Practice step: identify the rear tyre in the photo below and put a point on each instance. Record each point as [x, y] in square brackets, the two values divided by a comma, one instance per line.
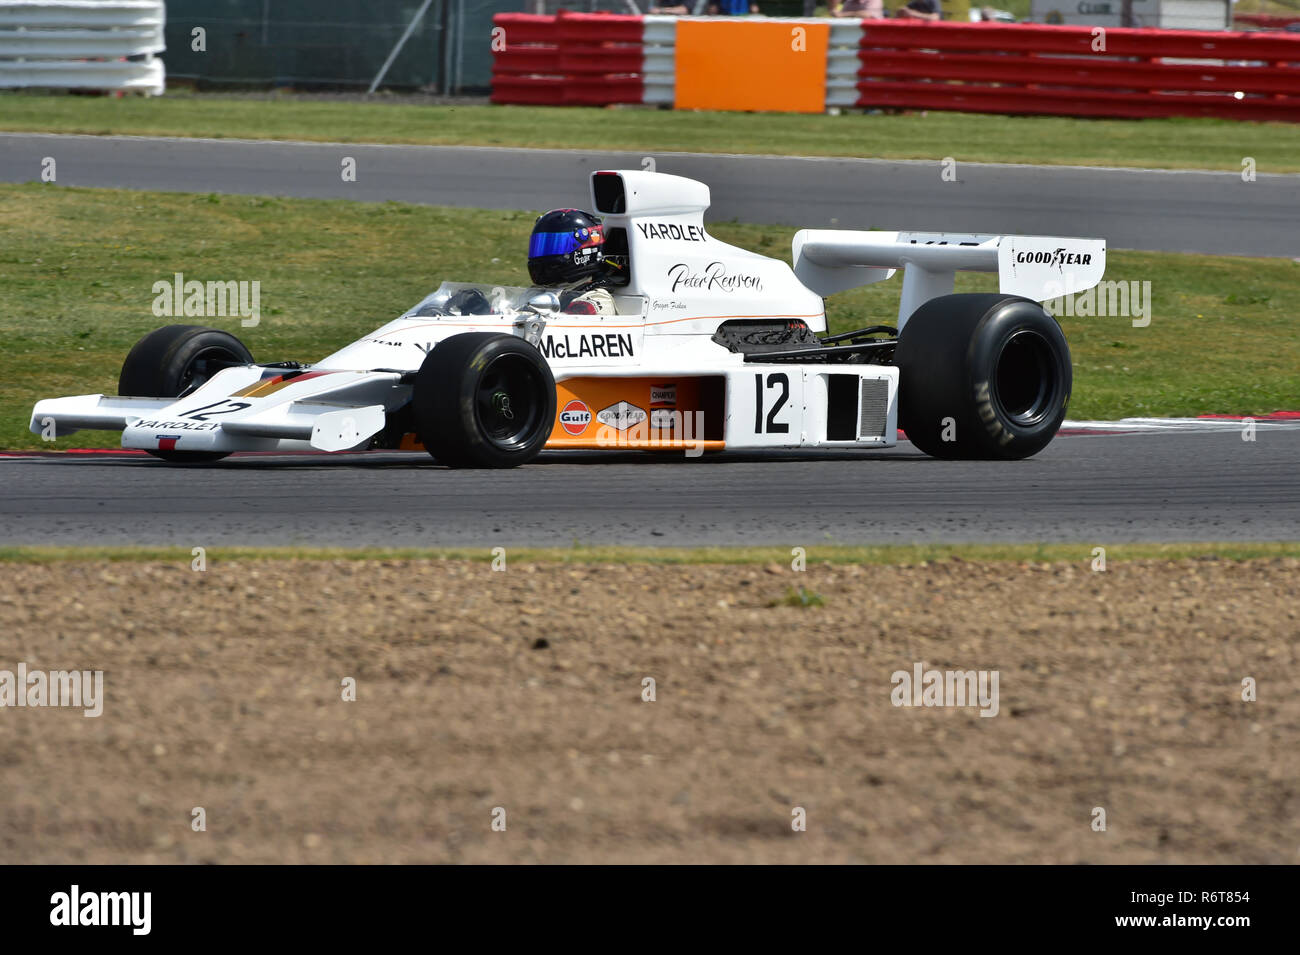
[982, 376]
[173, 361]
[484, 400]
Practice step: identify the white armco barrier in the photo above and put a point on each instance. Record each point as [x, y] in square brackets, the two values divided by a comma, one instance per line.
[82, 44]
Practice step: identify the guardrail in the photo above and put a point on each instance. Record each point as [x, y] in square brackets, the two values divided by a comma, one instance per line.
[1079, 71]
[82, 44]
[568, 59]
[809, 65]
[1267, 21]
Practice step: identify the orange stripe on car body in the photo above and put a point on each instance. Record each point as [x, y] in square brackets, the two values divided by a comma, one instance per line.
[270, 386]
[564, 326]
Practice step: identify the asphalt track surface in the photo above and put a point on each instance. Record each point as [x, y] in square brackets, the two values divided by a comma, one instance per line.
[1093, 489]
[1169, 211]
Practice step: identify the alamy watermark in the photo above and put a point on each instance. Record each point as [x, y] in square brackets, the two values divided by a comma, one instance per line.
[1105, 299]
[922, 687]
[194, 299]
[81, 688]
[75, 907]
[664, 428]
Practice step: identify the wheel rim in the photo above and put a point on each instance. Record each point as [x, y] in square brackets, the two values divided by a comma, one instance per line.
[204, 365]
[507, 402]
[1026, 378]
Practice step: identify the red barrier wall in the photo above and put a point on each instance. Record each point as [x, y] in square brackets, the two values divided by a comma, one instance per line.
[597, 59]
[569, 59]
[1267, 21]
[1059, 70]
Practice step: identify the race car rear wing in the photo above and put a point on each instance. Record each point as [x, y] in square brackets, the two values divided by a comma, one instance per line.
[1037, 267]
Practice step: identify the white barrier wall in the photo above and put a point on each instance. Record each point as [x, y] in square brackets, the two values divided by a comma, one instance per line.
[660, 65]
[842, 62]
[82, 44]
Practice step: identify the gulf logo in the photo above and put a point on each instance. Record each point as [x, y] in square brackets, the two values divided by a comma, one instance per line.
[575, 416]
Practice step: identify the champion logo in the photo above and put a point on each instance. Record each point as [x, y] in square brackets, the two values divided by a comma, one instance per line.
[663, 396]
[575, 416]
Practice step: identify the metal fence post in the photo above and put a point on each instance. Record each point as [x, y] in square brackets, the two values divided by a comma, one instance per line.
[397, 48]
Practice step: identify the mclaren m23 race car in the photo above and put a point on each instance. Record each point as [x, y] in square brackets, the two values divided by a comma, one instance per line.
[705, 346]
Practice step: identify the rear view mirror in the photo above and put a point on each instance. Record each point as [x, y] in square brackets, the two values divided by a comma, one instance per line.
[544, 302]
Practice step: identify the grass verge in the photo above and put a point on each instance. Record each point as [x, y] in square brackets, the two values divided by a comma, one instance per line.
[894, 554]
[74, 299]
[1049, 140]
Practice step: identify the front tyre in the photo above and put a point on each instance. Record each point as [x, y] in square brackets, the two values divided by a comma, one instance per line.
[173, 361]
[982, 376]
[484, 400]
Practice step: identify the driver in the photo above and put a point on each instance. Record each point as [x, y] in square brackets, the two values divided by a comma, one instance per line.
[565, 250]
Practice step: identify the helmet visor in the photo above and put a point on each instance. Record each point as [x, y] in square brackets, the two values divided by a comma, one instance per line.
[562, 243]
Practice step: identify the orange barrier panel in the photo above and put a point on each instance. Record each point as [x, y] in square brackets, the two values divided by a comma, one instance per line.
[751, 65]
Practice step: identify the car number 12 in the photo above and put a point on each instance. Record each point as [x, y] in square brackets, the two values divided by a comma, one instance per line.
[777, 379]
[215, 409]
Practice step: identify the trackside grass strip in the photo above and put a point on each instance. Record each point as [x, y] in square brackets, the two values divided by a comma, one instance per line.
[77, 269]
[909, 554]
[1044, 140]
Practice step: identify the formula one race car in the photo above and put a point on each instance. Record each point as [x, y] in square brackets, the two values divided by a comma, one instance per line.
[703, 346]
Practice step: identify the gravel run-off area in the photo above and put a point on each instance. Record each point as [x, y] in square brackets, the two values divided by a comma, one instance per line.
[519, 697]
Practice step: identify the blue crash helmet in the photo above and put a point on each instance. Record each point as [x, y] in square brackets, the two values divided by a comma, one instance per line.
[565, 247]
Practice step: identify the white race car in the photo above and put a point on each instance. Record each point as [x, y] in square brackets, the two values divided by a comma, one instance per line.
[706, 346]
